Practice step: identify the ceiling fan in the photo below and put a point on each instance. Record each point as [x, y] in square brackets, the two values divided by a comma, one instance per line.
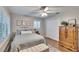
[44, 11]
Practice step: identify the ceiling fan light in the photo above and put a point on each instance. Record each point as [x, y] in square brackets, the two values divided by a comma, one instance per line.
[44, 14]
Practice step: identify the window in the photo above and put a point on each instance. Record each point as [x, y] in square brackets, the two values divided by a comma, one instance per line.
[4, 25]
[36, 24]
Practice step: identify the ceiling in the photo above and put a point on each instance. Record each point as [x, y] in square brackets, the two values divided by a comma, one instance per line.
[28, 10]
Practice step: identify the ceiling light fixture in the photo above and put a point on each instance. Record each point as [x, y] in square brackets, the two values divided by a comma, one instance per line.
[44, 9]
[44, 14]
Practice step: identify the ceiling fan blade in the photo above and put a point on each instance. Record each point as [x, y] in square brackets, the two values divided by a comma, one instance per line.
[39, 11]
[52, 11]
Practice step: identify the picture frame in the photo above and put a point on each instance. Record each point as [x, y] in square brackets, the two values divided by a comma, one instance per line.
[19, 22]
[72, 22]
[24, 23]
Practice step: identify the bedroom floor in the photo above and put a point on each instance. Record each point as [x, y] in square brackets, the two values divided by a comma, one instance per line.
[54, 47]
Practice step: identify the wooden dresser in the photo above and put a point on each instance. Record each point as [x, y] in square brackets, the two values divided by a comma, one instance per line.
[68, 37]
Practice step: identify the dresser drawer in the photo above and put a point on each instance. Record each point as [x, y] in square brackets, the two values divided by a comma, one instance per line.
[70, 40]
[67, 45]
[68, 37]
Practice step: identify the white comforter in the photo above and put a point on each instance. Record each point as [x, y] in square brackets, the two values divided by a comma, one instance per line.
[27, 40]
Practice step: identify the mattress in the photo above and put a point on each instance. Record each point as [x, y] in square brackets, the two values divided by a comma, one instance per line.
[26, 41]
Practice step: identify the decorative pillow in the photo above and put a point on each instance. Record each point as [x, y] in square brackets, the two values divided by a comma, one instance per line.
[26, 32]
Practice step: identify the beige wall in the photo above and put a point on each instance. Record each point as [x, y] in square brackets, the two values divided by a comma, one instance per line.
[18, 17]
[14, 19]
[42, 27]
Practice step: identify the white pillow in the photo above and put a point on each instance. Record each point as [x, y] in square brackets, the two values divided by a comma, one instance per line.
[26, 32]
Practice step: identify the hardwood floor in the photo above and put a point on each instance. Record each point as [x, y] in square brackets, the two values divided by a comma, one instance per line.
[55, 44]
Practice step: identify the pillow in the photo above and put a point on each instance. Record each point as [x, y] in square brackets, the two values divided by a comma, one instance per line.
[26, 32]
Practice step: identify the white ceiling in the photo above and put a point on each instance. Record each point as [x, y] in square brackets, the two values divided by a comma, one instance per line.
[22, 10]
[28, 10]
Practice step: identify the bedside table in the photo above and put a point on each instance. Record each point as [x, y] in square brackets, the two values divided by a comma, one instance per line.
[37, 32]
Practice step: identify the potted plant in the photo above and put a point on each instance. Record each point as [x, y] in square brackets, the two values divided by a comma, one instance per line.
[64, 23]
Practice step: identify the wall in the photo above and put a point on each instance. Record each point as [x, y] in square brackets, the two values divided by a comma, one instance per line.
[19, 17]
[53, 23]
[42, 26]
[52, 29]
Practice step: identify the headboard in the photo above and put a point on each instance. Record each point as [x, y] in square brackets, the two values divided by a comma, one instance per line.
[24, 25]
[24, 29]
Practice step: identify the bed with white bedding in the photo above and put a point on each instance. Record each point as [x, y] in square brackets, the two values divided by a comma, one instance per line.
[26, 41]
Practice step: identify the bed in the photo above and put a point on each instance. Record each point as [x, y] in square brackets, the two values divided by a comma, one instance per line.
[26, 41]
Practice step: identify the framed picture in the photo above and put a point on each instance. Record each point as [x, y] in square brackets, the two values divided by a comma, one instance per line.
[72, 21]
[24, 23]
[19, 22]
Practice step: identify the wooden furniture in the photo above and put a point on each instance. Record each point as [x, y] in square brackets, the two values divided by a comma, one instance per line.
[68, 37]
[38, 48]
